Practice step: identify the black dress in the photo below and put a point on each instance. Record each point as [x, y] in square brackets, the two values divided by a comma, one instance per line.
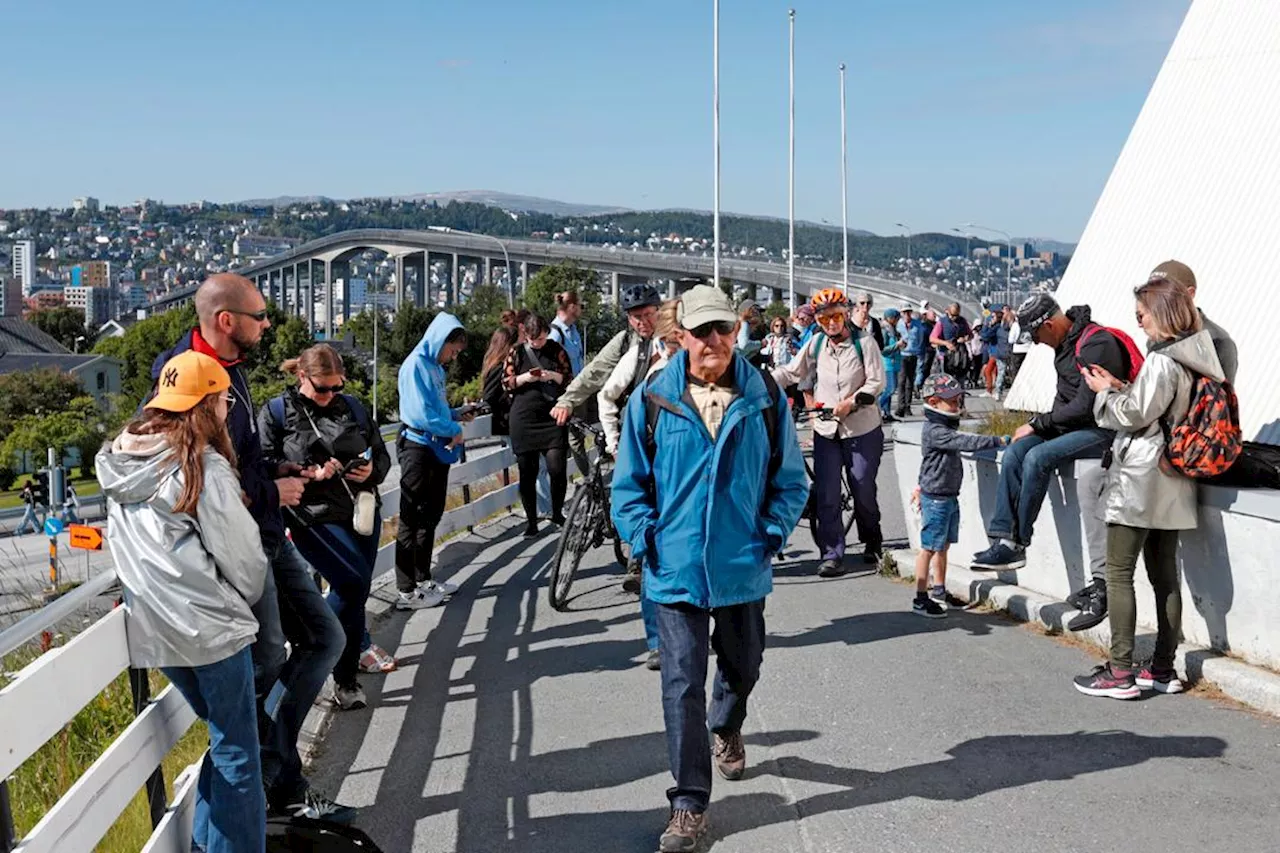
[530, 421]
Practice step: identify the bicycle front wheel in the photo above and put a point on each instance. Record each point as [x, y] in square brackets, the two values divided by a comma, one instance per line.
[575, 540]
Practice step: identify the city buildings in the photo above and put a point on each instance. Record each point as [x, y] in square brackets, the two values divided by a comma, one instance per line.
[89, 204]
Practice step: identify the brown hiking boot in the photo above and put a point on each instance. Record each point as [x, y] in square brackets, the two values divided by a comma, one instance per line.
[731, 755]
[684, 831]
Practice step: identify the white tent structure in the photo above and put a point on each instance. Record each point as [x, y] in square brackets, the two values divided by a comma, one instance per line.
[1198, 180]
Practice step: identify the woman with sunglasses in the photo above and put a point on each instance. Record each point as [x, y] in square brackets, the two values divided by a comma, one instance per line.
[779, 344]
[850, 375]
[337, 524]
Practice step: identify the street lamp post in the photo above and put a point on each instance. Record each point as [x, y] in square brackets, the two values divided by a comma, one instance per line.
[1008, 267]
[715, 135]
[967, 256]
[791, 170]
[506, 259]
[906, 229]
[844, 181]
[377, 321]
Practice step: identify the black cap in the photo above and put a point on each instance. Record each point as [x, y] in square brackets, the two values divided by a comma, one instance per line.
[1035, 311]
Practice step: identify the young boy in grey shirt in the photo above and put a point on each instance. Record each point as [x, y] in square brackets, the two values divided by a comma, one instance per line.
[941, 473]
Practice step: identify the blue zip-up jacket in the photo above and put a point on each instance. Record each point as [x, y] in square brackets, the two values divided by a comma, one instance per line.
[705, 517]
[891, 355]
[424, 408]
[1003, 346]
[915, 335]
[987, 334]
[255, 480]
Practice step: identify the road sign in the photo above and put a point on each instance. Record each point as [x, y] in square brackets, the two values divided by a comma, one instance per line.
[52, 526]
[86, 536]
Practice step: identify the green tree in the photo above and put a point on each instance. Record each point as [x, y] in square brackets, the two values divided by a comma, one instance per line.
[540, 292]
[141, 345]
[34, 392]
[62, 323]
[774, 309]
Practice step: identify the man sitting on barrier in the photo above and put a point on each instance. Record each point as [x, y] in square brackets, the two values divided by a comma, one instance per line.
[1066, 433]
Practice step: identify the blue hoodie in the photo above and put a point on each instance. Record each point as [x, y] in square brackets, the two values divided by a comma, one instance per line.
[424, 408]
[703, 517]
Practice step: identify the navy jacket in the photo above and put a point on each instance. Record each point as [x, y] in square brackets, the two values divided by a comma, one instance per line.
[255, 480]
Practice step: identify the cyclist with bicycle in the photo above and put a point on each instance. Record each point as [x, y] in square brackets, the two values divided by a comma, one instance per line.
[849, 376]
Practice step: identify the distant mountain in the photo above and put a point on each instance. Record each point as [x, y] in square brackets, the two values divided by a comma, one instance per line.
[1048, 245]
[520, 203]
[283, 201]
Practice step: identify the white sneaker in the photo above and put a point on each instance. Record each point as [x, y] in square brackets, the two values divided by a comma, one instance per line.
[444, 587]
[420, 599]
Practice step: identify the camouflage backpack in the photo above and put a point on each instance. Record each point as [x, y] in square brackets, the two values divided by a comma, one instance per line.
[1208, 439]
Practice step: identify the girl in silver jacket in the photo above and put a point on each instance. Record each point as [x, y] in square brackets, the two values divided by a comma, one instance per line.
[190, 559]
[1147, 503]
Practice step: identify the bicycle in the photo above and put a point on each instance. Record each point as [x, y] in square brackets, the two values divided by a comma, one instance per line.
[846, 496]
[587, 525]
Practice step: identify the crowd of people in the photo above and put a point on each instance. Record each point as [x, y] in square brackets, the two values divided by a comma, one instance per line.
[224, 515]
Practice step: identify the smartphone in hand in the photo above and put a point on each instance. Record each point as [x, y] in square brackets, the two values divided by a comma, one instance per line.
[536, 372]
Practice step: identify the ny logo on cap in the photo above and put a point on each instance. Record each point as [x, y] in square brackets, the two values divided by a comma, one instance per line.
[170, 377]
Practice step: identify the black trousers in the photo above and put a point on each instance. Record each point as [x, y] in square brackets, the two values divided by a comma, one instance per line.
[424, 484]
[907, 383]
[556, 472]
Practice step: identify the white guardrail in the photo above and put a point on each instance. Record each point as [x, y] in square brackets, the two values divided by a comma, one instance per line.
[47, 694]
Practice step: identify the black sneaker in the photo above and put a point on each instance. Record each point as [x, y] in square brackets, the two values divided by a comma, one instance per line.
[316, 806]
[1108, 682]
[831, 568]
[653, 661]
[999, 558]
[1092, 612]
[531, 530]
[631, 582]
[1078, 598]
[925, 606]
[872, 556]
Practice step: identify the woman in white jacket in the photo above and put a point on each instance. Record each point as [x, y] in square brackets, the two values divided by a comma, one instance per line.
[190, 560]
[1146, 502]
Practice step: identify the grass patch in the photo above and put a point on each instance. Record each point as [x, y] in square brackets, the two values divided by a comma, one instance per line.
[85, 487]
[47, 775]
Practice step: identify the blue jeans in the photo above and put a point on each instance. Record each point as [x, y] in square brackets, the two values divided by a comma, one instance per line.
[939, 522]
[344, 559]
[1025, 471]
[649, 616]
[738, 639]
[231, 807]
[316, 638]
[890, 384]
[29, 519]
[859, 460]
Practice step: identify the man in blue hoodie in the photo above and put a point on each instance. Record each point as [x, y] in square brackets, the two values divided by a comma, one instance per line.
[233, 317]
[708, 485]
[430, 433]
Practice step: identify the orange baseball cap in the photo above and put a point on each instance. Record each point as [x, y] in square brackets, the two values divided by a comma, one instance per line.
[186, 379]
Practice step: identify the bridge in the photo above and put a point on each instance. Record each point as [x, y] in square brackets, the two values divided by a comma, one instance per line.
[293, 279]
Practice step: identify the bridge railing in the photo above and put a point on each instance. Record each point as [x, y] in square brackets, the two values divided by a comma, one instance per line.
[47, 694]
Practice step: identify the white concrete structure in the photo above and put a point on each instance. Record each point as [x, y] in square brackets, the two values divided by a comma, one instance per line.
[1198, 180]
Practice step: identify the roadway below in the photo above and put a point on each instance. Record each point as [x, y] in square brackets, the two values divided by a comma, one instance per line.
[511, 727]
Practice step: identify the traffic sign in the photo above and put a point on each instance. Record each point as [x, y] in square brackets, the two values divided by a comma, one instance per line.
[86, 536]
[52, 526]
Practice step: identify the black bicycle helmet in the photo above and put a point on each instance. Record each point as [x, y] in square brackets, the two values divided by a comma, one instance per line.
[640, 295]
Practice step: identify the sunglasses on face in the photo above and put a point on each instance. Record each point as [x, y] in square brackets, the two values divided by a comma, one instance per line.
[328, 389]
[722, 328]
[832, 317]
[260, 316]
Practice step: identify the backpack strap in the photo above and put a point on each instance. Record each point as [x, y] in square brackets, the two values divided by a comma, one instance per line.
[358, 411]
[1087, 332]
[275, 408]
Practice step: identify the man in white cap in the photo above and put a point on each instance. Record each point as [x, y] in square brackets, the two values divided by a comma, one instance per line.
[707, 446]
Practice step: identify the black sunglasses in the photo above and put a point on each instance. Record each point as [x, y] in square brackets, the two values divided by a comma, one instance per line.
[260, 316]
[328, 389]
[723, 328]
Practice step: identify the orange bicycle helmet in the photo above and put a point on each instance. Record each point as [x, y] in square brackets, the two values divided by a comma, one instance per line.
[829, 297]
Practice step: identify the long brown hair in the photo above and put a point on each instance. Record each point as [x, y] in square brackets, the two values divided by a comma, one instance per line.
[189, 433]
[500, 344]
[1170, 306]
[319, 360]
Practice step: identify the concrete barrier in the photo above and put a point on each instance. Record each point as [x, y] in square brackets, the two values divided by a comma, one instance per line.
[1228, 564]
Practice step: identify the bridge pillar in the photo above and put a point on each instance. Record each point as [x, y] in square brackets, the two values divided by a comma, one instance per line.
[488, 271]
[615, 289]
[399, 297]
[309, 304]
[524, 278]
[297, 292]
[776, 294]
[422, 289]
[455, 292]
[328, 300]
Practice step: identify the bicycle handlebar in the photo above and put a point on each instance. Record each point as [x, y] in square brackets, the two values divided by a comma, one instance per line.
[579, 425]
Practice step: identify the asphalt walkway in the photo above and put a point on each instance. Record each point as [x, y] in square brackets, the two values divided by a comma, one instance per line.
[511, 727]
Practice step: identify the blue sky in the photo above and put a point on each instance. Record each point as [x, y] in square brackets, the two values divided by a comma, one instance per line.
[1008, 113]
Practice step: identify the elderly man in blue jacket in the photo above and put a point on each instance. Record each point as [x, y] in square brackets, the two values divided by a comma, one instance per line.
[709, 484]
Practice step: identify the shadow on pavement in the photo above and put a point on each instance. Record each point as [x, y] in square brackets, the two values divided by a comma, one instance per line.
[886, 625]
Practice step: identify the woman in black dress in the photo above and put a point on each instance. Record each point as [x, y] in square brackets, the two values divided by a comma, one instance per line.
[537, 372]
